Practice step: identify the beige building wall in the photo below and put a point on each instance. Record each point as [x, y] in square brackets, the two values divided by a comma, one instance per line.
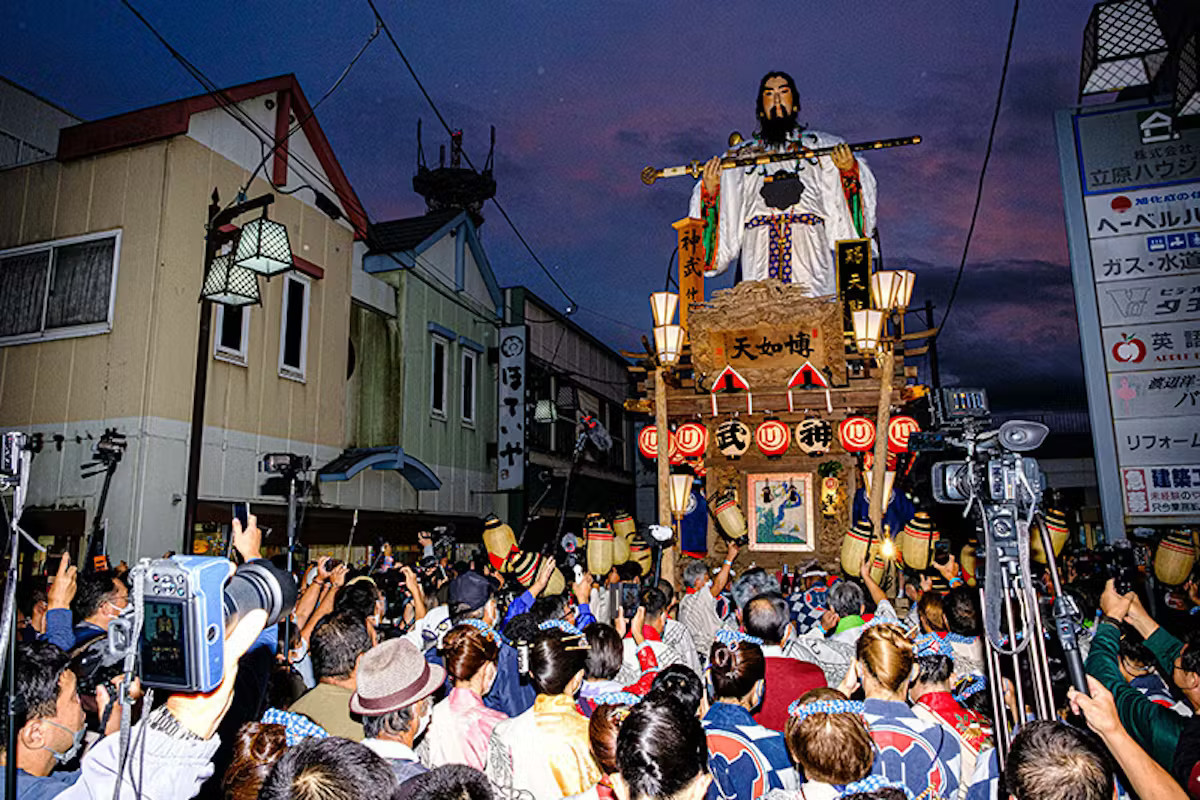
[139, 376]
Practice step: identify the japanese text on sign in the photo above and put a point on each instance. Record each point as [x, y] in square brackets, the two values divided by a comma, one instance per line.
[510, 427]
[1162, 489]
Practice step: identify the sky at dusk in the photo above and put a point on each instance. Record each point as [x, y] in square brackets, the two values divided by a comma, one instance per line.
[584, 95]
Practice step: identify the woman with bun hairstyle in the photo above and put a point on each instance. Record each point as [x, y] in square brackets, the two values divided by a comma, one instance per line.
[661, 754]
[462, 724]
[911, 750]
[830, 744]
[546, 751]
[746, 759]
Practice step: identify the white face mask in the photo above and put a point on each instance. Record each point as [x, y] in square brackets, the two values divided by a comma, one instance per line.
[76, 742]
[423, 723]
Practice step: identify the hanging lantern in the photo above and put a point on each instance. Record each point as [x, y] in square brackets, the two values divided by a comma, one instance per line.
[772, 438]
[1056, 525]
[499, 540]
[674, 457]
[813, 436]
[830, 489]
[263, 247]
[731, 522]
[648, 444]
[692, 439]
[889, 480]
[809, 377]
[1174, 558]
[857, 434]
[230, 285]
[916, 541]
[733, 438]
[728, 380]
[599, 544]
[855, 545]
[899, 429]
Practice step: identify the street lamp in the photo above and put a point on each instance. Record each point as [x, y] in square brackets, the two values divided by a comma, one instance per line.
[891, 290]
[230, 285]
[668, 344]
[662, 306]
[1123, 46]
[263, 247]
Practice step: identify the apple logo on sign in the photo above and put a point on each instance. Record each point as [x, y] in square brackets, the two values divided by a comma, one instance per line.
[1129, 350]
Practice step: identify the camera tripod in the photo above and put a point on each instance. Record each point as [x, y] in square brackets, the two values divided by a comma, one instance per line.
[1013, 629]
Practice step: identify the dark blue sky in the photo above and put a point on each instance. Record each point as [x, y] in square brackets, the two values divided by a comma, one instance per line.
[585, 95]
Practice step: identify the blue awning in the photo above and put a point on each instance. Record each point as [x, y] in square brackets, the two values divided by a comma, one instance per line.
[353, 461]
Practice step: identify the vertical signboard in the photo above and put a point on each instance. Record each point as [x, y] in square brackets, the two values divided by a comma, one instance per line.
[1131, 184]
[853, 278]
[510, 427]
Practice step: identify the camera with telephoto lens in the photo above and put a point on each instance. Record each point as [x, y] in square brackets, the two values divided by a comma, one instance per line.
[180, 609]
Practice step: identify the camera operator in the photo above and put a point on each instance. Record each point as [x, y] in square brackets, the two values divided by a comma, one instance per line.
[176, 742]
[100, 597]
[47, 608]
[1171, 739]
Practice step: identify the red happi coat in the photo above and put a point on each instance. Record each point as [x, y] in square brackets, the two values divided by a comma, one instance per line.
[974, 729]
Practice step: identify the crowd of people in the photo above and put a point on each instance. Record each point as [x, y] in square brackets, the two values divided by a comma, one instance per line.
[460, 682]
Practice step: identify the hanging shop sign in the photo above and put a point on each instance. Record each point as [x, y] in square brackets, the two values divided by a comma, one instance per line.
[510, 427]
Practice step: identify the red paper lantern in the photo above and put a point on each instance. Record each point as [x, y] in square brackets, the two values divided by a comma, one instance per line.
[673, 455]
[772, 438]
[692, 439]
[856, 434]
[899, 429]
[648, 442]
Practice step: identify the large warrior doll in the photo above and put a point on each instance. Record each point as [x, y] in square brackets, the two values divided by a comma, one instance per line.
[783, 218]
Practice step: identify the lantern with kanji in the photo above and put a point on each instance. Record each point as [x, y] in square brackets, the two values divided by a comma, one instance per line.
[772, 438]
[733, 438]
[857, 434]
[899, 429]
[623, 527]
[599, 544]
[691, 438]
[813, 436]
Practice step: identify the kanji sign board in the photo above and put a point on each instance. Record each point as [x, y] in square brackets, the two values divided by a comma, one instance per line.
[1131, 182]
[510, 428]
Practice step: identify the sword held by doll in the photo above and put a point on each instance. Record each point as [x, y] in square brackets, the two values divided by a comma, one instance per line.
[696, 168]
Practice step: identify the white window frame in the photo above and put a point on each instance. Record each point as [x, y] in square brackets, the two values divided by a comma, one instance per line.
[436, 339]
[469, 355]
[285, 370]
[73, 331]
[228, 354]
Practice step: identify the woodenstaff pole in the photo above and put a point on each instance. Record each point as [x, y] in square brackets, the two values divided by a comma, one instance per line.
[878, 504]
[664, 468]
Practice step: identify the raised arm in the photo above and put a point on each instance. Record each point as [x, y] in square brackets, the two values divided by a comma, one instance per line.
[719, 584]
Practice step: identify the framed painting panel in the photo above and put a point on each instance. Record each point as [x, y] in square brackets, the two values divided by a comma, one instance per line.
[779, 512]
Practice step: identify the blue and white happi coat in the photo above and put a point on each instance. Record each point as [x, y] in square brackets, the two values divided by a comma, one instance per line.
[922, 755]
[746, 759]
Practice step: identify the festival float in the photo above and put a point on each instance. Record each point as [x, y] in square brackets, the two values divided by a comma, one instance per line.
[783, 394]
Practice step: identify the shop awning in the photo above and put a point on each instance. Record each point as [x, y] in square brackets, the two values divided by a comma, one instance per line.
[353, 461]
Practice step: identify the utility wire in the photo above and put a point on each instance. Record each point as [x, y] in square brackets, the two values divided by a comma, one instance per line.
[571, 305]
[982, 172]
[312, 112]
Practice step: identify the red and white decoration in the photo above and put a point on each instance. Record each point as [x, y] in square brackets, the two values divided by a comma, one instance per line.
[809, 377]
[772, 438]
[899, 430]
[856, 434]
[648, 445]
[729, 380]
[692, 439]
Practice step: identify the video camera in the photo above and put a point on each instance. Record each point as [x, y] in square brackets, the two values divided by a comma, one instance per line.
[180, 608]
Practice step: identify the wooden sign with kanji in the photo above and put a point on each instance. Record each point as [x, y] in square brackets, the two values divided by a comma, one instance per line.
[691, 265]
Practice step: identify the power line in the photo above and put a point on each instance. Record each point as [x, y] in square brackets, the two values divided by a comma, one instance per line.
[983, 170]
[571, 305]
[312, 112]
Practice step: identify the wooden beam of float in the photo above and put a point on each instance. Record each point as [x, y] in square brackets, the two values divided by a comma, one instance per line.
[691, 265]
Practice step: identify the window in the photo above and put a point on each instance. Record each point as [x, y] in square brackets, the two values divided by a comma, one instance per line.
[233, 333]
[58, 289]
[293, 327]
[439, 347]
[469, 361]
